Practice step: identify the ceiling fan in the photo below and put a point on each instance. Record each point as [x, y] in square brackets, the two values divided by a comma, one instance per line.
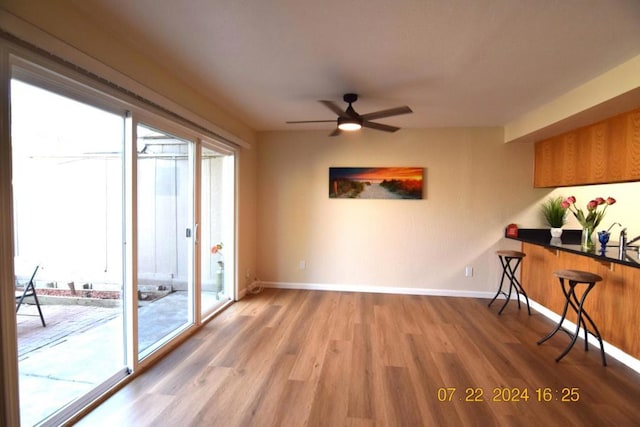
[349, 120]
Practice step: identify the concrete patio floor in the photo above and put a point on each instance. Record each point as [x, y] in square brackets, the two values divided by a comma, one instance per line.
[66, 359]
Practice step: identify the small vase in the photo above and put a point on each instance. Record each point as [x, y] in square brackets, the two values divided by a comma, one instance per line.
[556, 232]
[587, 239]
[603, 237]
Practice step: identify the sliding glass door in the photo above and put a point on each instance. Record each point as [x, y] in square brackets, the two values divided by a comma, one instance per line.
[217, 228]
[67, 165]
[123, 223]
[165, 236]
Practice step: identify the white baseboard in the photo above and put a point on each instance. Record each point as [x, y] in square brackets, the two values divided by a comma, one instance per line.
[377, 289]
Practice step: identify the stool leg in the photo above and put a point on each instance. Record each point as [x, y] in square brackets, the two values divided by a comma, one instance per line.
[581, 312]
[574, 337]
[504, 272]
[595, 332]
[562, 317]
[506, 301]
[518, 286]
[515, 288]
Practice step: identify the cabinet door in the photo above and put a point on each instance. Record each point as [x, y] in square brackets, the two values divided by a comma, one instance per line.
[549, 162]
[543, 164]
[617, 150]
[632, 167]
[599, 138]
[569, 167]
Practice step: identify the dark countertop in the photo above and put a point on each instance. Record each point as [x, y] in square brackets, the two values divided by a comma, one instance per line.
[570, 242]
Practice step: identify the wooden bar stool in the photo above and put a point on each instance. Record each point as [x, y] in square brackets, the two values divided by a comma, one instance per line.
[574, 278]
[509, 271]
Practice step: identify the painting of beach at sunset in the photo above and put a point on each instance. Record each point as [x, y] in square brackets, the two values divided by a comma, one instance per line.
[376, 183]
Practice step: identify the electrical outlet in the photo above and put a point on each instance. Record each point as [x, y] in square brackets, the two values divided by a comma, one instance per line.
[468, 271]
[302, 264]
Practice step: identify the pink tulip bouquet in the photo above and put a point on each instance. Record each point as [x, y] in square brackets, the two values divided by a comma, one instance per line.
[594, 214]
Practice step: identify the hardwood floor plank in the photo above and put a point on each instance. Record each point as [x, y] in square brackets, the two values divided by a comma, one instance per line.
[427, 381]
[438, 338]
[366, 304]
[350, 309]
[295, 358]
[401, 401]
[331, 397]
[139, 412]
[265, 403]
[388, 340]
[207, 382]
[303, 322]
[294, 404]
[243, 345]
[310, 357]
[361, 372]
[461, 389]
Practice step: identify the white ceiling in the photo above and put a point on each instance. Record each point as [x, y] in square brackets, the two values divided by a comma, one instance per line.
[454, 62]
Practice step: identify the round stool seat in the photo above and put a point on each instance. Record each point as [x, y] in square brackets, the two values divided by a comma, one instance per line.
[577, 276]
[511, 254]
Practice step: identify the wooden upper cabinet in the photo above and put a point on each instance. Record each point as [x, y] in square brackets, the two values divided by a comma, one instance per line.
[632, 139]
[605, 152]
[543, 175]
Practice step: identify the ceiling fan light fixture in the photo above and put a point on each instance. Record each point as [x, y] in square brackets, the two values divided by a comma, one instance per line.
[349, 124]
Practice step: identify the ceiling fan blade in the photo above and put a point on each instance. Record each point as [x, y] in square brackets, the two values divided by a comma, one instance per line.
[387, 113]
[379, 126]
[336, 132]
[333, 107]
[312, 121]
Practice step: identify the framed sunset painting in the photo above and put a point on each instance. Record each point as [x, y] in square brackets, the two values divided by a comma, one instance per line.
[376, 183]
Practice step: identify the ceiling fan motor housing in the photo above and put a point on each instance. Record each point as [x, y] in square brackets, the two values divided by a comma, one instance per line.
[350, 97]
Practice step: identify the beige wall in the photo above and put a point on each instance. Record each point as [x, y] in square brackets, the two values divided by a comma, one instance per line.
[475, 186]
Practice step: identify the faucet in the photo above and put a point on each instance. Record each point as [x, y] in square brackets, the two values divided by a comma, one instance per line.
[635, 239]
[612, 225]
[622, 241]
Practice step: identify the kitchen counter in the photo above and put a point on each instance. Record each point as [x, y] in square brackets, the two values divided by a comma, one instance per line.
[570, 242]
[613, 302]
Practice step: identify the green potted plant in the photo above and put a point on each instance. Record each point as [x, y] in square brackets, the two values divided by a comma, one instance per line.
[554, 215]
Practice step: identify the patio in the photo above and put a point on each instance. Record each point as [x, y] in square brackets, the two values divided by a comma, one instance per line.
[74, 336]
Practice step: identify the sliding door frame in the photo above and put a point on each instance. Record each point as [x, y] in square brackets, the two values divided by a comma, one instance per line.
[138, 110]
[9, 379]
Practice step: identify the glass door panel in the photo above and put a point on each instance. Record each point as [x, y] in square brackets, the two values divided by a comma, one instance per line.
[164, 231]
[67, 159]
[216, 228]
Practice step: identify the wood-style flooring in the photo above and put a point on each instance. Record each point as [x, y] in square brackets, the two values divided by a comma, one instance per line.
[296, 358]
